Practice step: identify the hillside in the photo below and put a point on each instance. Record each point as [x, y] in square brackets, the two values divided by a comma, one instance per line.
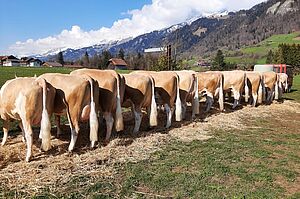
[257, 53]
[205, 35]
[250, 27]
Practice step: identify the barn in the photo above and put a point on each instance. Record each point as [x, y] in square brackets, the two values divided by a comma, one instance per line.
[117, 64]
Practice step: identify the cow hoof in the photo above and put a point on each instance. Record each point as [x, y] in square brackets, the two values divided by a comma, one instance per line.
[70, 149]
[93, 143]
[106, 142]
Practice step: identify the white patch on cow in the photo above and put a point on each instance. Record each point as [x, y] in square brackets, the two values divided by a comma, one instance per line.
[169, 116]
[45, 131]
[119, 118]
[246, 91]
[5, 132]
[260, 92]
[195, 104]
[178, 112]
[20, 106]
[94, 124]
[276, 91]
[221, 94]
[255, 96]
[153, 109]
[236, 96]
[28, 136]
[74, 136]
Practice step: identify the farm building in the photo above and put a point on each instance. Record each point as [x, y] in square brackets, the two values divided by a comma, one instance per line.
[116, 63]
[9, 61]
[30, 62]
[51, 64]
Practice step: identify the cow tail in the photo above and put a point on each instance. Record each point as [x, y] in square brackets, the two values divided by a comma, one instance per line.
[119, 125]
[178, 111]
[196, 96]
[94, 125]
[277, 88]
[286, 84]
[263, 88]
[260, 91]
[221, 93]
[153, 109]
[45, 131]
[246, 89]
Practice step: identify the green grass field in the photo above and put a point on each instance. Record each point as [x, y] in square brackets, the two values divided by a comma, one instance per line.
[295, 91]
[261, 50]
[7, 73]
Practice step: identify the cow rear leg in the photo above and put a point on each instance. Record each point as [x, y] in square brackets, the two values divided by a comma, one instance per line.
[184, 107]
[28, 136]
[270, 96]
[236, 95]
[169, 115]
[255, 97]
[74, 136]
[137, 118]
[209, 101]
[109, 125]
[5, 132]
[57, 123]
[23, 132]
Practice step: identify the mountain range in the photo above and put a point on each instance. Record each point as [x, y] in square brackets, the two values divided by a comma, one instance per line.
[204, 35]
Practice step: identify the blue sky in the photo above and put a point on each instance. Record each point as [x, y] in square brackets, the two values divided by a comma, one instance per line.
[24, 19]
[36, 26]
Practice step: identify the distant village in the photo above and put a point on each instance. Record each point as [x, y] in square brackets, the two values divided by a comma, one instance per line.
[114, 63]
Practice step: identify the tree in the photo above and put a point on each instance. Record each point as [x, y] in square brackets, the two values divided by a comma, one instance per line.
[162, 63]
[218, 62]
[60, 58]
[121, 54]
[86, 59]
[270, 57]
[104, 58]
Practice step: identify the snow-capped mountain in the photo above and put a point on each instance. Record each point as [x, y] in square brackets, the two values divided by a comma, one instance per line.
[206, 34]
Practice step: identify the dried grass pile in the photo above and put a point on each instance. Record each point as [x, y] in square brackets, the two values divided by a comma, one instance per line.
[57, 167]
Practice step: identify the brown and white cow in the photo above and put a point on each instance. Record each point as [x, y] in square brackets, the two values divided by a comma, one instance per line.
[111, 92]
[29, 100]
[167, 89]
[211, 85]
[253, 85]
[282, 79]
[188, 89]
[139, 93]
[270, 86]
[75, 97]
[234, 81]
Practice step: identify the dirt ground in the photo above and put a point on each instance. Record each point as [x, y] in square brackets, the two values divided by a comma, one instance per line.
[57, 166]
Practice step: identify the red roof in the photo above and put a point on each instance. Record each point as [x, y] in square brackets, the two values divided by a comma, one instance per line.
[117, 62]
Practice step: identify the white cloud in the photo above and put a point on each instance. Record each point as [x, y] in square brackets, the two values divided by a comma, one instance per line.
[158, 15]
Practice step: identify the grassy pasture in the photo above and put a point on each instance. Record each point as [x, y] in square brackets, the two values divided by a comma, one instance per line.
[262, 49]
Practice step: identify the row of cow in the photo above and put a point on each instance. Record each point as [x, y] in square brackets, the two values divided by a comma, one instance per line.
[90, 94]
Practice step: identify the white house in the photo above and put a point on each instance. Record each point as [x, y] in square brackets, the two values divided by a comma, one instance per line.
[10, 61]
